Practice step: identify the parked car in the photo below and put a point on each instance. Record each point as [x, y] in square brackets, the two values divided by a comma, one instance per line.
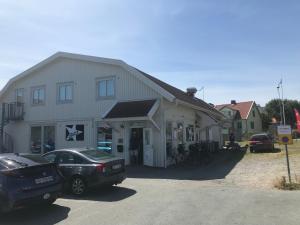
[27, 180]
[84, 168]
[260, 142]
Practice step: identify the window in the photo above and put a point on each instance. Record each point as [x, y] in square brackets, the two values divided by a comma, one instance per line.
[50, 157]
[252, 125]
[169, 131]
[104, 139]
[147, 137]
[239, 125]
[229, 113]
[179, 133]
[190, 133]
[253, 113]
[65, 92]
[42, 139]
[106, 88]
[36, 140]
[38, 95]
[66, 158]
[19, 95]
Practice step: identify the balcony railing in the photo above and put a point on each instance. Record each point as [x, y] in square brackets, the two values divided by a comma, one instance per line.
[13, 111]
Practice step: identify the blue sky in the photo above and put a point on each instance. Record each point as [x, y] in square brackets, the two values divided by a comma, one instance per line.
[236, 49]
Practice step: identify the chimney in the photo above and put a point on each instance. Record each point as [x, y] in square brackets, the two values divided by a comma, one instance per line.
[233, 102]
[191, 91]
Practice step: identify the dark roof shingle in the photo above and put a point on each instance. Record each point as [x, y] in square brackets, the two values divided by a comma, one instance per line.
[131, 109]
[181, 95]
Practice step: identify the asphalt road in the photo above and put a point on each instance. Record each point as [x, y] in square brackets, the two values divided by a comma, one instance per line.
[144, 201]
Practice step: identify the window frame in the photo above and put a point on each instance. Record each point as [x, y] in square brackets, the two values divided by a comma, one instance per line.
[106, 79]
[33, 89]
[23, 94]
[239, 125]
[64, 84]
[55, 157]
[252, 125]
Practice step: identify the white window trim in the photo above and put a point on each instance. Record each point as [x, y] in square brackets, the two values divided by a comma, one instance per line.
[58, 85]
[98, 80]
[23, 92]
[31, 95]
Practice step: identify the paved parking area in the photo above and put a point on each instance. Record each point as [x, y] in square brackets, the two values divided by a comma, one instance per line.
[181, 195]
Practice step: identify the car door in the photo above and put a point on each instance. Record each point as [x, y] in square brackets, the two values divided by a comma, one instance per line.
[66, 163]
[71, 164]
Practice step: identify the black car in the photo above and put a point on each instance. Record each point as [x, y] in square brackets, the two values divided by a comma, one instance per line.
[27, 180]
[261, 142]
[83, 168]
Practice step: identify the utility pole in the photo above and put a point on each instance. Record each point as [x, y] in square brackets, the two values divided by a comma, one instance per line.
[284, 123]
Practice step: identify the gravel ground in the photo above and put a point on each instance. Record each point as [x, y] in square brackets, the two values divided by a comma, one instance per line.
[260, 170]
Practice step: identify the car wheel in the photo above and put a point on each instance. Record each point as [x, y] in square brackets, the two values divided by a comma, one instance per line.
[78, 186]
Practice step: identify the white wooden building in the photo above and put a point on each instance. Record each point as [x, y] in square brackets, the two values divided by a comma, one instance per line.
[71, 100]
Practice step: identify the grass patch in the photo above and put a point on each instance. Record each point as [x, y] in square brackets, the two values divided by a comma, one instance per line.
[282, 184]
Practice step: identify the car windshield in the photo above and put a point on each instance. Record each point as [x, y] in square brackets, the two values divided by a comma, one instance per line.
[36, 158]
[96, 154]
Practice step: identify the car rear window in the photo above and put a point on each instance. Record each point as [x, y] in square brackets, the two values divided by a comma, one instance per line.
[96, 154]
[259, 138]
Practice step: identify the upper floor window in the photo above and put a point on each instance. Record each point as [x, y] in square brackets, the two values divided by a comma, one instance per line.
[38, 95]
[253, 113]
[229, 113]
[106, 88]
[65, 92]
[19, 95]
[252, 125]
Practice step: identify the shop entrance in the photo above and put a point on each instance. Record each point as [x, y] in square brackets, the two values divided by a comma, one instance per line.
[136, 146]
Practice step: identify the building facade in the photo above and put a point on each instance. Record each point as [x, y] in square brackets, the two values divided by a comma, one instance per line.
[244, 117]
[71, 100]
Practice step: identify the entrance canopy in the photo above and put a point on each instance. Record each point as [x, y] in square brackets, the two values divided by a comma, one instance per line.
[133, 110]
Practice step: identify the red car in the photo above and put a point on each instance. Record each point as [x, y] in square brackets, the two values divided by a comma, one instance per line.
[261, 142]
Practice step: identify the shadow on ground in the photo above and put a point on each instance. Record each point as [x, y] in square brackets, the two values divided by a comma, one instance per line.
[223, 162]
[36, 216]
[105, 194]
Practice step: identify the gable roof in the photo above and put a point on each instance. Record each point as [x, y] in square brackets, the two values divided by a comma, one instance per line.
[243, 107]
[167, 91]
[179, 94]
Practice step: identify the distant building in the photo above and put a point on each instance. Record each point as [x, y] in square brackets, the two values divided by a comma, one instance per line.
[244, 119]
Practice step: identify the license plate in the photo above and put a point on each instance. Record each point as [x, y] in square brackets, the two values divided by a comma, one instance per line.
[43, 180]
[117, 166]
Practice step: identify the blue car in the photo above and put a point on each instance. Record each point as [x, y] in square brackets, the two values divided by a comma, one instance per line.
[26, 180]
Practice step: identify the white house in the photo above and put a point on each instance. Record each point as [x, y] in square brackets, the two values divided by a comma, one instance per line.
[71, 100]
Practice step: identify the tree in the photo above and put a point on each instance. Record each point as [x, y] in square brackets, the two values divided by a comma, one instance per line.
[273, 110]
